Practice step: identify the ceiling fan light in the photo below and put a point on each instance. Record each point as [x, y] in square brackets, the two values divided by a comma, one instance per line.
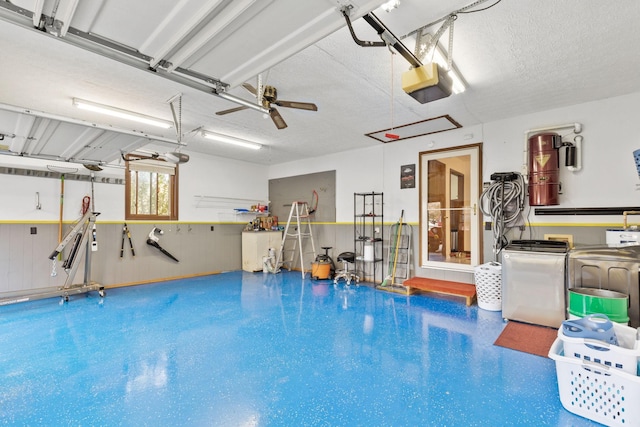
[123, 114]
[231, 140]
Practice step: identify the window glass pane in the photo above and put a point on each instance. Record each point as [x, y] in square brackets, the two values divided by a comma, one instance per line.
[449, 232]
[133, 193]
[164, 191]
[144, 197]
[153, 194]
[434, 235]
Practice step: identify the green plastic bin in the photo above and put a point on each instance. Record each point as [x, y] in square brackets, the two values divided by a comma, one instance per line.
[585, 301]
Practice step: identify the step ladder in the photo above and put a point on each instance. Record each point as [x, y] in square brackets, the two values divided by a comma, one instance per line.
[399, 236]
[299, 236]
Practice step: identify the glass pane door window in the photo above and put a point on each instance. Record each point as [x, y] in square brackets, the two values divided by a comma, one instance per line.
[449, 217]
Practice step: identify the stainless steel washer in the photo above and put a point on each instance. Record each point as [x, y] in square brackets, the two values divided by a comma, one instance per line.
[533, 282]
[614, 268]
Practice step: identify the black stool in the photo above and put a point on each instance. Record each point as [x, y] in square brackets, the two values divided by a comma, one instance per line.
[346, 258]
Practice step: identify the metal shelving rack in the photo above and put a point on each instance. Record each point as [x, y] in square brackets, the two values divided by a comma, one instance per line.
[368, 232]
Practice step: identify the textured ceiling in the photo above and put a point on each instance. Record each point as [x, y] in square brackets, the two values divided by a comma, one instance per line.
[518, 57]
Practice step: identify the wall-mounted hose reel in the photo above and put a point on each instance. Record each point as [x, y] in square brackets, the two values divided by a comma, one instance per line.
[503, 201]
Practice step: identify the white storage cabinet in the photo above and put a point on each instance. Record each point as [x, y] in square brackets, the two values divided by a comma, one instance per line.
[255, 246]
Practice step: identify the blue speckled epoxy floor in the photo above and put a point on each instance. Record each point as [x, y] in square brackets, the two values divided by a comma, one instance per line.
[254, 349]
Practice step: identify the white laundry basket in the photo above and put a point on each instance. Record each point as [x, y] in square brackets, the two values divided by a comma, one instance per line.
[623, 354]
[595, 391]
[488, 278]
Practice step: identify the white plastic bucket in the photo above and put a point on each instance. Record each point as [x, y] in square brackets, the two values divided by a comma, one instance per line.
[368, 252]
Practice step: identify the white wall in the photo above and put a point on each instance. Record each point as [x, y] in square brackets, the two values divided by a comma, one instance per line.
[608, 177]
[377, 168]
[201, 176]
[19, 192]
[357, 171]
[406, 152]
[225, 184]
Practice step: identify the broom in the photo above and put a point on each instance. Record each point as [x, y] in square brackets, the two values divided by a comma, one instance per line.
[395, 256]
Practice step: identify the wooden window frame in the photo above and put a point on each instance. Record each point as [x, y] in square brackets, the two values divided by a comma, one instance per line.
[173, 194]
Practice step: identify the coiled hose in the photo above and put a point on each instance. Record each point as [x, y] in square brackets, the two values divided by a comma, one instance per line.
[503, 201]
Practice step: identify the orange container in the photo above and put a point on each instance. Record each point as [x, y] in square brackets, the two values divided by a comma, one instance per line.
[320, 270]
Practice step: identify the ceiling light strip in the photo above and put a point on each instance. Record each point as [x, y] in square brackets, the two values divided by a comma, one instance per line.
[459, 84]
[123, 114]
[42, 114]
[231, 140]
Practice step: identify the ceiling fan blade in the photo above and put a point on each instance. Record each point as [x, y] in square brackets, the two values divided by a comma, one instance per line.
[299, 105]
[231, 110]
[277, 119]
[250, 88]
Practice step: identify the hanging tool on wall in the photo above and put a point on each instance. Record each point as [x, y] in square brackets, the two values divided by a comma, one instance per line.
[314, 202]
[94, 233]
[153, 239]
[86, 201]
[94, 239]
[126, 233]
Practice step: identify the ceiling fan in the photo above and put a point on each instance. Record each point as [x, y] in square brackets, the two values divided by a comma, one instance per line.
[268, 99]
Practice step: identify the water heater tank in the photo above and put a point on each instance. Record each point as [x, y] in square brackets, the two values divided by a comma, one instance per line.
[544, 169]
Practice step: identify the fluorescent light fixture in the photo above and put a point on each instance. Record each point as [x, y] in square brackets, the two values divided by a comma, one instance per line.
[123, 114]
[231, 140]
[440, 58]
